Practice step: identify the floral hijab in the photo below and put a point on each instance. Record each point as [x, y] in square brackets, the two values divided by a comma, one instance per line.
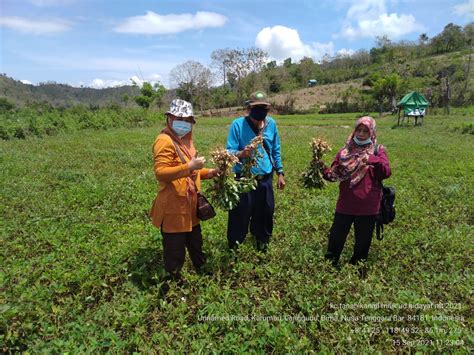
[353, 158]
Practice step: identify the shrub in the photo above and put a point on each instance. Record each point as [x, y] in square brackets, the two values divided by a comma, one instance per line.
[42, 119]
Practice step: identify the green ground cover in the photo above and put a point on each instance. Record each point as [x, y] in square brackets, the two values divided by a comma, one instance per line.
[80, 262]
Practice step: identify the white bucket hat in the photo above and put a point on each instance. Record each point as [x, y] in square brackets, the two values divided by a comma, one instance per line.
[181, 108]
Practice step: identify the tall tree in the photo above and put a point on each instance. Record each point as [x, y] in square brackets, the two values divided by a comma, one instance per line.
[220, 61]
[386, 89]
[451, 38]
[423, 38]
[236, 64]
[305, 70]
[150, 94]
[193, 81]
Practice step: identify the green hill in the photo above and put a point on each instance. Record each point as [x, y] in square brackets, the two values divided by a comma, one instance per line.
[62, 94]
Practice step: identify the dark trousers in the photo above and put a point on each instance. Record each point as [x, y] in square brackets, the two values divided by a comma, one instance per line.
[174, 249]
[363, 230]
[256, 209]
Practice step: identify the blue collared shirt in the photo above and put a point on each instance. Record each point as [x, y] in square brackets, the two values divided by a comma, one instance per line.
[240, 135]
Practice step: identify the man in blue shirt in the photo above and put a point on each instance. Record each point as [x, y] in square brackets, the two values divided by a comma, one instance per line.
[255, 208]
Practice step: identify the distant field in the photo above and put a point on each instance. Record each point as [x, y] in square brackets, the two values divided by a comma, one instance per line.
[80, 262]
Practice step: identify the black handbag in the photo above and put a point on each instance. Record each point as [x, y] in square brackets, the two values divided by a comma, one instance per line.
[387, 210]
[205, 210]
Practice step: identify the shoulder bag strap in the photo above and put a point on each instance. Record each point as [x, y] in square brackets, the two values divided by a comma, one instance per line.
[180, 154]
[178, 151]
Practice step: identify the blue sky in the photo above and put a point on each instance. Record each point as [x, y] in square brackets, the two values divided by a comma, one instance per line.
[105, 43]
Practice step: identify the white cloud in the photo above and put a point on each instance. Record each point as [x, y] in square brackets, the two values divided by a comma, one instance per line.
[34, 26]
[155, 78]
[107, 83]
[24, 81]
[152, 79]
[345, 52]
[465, 9]
[281, 42]
[101, 84]
[153, 23]
[369, 18]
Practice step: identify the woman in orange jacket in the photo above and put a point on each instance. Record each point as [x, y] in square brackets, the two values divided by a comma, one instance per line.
[179, 171]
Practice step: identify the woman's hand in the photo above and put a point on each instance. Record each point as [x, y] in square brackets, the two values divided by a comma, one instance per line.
[213, 173]
[196, 163]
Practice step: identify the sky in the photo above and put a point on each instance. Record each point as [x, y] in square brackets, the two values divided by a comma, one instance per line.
[105, 43]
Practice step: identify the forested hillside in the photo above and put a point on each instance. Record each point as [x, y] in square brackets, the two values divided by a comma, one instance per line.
[62, 94]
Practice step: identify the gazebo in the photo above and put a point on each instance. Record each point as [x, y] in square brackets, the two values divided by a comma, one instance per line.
[414, 105]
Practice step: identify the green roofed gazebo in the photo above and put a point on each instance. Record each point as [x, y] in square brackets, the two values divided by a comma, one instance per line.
[414, 105]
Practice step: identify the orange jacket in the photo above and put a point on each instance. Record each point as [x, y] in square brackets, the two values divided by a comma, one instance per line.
[173, 210]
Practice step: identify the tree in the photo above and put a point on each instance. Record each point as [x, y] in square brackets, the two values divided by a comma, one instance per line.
[234, 65]
[305, 70]
[392, 87]
[220, 61]
[150, 94]
[450, 39]
[423, 39]
[386, 88]
[125, 99]
[469, 35]
[193, 81]
[6, 105]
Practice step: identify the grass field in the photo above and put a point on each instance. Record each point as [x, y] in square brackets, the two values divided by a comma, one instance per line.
[80, 262]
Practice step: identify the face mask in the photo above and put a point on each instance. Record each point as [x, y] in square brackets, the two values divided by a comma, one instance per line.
[181, 128]
[258, 113]
[364, 142]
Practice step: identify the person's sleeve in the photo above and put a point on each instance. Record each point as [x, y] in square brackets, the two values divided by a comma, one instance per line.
[327, 171]
[204, 172]
[165, 166]
[381, 164]
[232, 144]
[276, 152]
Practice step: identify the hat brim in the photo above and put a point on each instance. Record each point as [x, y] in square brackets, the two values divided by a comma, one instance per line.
[259, 103]
[171, 113]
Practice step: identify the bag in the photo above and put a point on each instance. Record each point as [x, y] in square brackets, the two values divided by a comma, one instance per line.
[205, 210]
[387, 210]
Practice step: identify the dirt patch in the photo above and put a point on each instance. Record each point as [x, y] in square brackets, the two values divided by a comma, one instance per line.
[306, 99]
[315, 97]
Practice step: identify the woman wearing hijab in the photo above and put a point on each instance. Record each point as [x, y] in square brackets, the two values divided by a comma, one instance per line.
[179, 171]
[359, 166]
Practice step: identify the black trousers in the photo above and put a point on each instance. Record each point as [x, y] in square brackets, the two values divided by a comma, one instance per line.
[174, 249]
[256, 209]
[363, 230]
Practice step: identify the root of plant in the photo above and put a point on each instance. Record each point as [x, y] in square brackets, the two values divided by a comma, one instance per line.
[313, 176]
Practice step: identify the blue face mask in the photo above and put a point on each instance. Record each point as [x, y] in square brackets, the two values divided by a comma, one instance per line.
[181, 128]
[359, 142]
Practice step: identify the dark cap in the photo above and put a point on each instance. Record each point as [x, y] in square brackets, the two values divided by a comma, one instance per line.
[258, 98]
